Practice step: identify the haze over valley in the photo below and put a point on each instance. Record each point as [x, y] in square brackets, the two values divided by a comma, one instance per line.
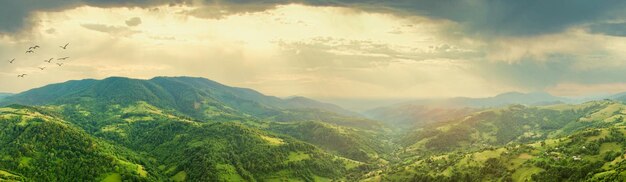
[309, 90]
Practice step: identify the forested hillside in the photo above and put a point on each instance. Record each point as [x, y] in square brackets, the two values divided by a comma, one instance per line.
[196, 97]
[191, 129]
[517, 143]
[37, 145]
[188, 129]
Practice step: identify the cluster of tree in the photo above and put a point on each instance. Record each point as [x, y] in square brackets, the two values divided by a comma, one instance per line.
[52, 150]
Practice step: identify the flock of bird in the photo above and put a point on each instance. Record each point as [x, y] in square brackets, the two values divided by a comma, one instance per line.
[31, 50]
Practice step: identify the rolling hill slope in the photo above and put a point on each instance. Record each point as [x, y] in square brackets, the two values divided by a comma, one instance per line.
[196, 97]
[192, 129]
[582, 142]
[37, 145]
[171, 147]
[515, 123]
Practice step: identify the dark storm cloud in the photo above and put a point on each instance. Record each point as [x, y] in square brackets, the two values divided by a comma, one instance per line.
[538, 75]
[516, 17]
[612, 29]
[478, 17]
[14, 14]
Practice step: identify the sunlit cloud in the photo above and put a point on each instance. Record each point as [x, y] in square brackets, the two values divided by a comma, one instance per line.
[310, 49]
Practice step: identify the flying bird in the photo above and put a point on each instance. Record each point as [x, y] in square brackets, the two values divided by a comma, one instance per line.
[65, 46]
[30, 51]
[60, 64]
[48, 61]
[63, 58]
[12, 60]
[22, 75]
[42, 68]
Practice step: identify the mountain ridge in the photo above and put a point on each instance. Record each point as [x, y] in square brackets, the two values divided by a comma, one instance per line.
[182, 92]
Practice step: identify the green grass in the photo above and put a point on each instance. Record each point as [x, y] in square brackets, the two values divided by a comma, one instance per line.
[114, 129]
[180, 176]
[321, 179]
[282, 176]
[5, 174]
[135, 119]
[272, 140]
[605, 113]
[297, 156]
[170, 170]
[606, 147]
[525, 173]
[352, 164]
[483, 156]
[616, 161]
[25, 161]
[129, 166]
[228, 172]
[115, 177]
[602, 175]
[141, 107]
[519, 160]
[141, 171]
[603, 133]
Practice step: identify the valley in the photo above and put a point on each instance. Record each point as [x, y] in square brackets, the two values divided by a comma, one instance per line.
[195, 129]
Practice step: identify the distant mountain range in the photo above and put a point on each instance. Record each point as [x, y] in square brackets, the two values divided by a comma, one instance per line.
[563, 142]
[428, 110]
[535, 98]
[3, 95]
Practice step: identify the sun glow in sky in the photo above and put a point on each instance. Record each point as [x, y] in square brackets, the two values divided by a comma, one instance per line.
[319, 51]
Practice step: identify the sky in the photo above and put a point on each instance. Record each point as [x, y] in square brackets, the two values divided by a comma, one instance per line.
[324, 49]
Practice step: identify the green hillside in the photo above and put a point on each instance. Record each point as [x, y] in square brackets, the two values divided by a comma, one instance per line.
[192, 129]
[355, 144]
[511, 124]
[195, 97]
[588, 155]
[517, 143]
[37, 145]
[171, 147]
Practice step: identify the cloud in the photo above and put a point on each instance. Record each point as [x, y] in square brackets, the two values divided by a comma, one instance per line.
[15, 15]
[612, 29]
[341, 52]
[348, 53]
[562, 68]
[113, 30]
[507, 18]
[485, 18]
[215, 10]
[133, 21]
[513, 18]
